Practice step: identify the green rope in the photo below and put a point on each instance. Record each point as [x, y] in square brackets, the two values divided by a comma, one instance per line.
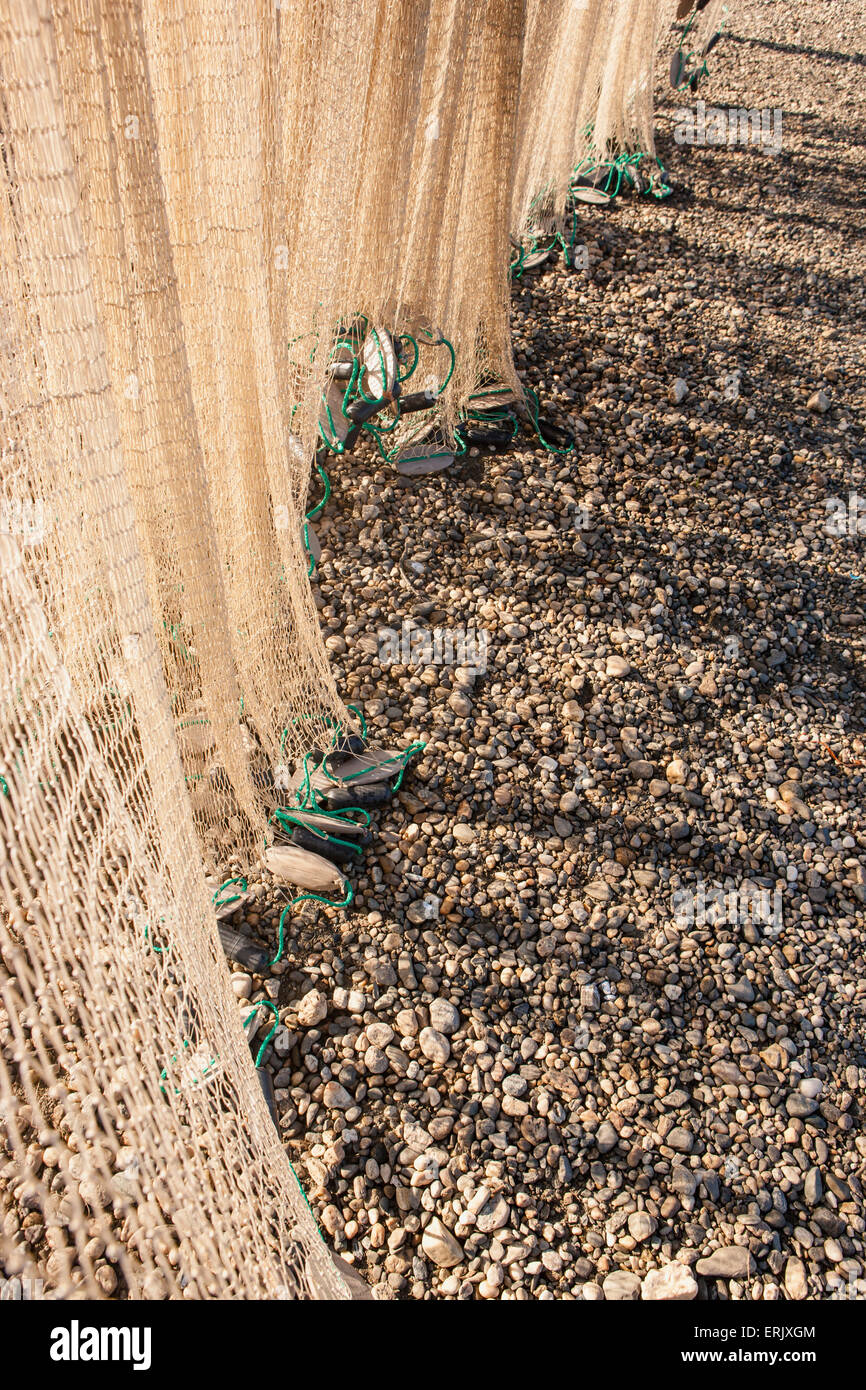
[224, 902]
[264, 1047]
[314, 511]
[442, 341]
[356, 710]
[533, 409]
[160, 950]
[305, 898]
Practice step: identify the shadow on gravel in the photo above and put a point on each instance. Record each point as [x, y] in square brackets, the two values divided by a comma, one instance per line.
[858, 59]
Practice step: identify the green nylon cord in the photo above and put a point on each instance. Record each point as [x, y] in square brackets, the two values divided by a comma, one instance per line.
[160, 950]
[229, 883]
[306, 536]
[441, 341]
[320, 506]
[286, 820]
[311, 514]
[407, 338]
[264, 1047]
[306, 898]
[534, 413]
[356, 710]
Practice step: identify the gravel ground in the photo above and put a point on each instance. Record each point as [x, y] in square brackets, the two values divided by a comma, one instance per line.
[594, 1025]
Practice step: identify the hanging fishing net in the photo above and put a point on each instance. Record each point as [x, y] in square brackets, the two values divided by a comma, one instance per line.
[563, 51]
[624, 115]
[585, 127]
[411, 318]
[233, 236]
[157, 631]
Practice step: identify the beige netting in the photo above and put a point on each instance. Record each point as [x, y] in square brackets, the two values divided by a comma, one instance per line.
[180, 188]
[563, 49]
[623, 118]
[586, 96]
[398, 140]
[133, 1123]
[195, 198]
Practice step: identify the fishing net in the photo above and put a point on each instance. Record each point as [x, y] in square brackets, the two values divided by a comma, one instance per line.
[177, 189]
[417, 262]
[586, 106]
[138, 1153]
[624, 115]
[206, 208]
[563, 50]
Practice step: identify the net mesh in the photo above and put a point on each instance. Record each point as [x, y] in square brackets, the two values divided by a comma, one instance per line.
[560, 75]
[132, 1121]
[586, 95]
[193, 214]
[202, 205]
[430, 93]
[623, 118]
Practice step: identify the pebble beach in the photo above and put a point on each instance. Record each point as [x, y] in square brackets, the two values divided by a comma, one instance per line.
[593, 1025]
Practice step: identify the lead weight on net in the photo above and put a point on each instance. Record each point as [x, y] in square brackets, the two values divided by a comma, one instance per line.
[332, 422]
[492, 397]
[340, 371]
[347, 746]
[378, 766]
[359, 412]
[314, 547]
[536, 259]
[554, 435]
[585, 193]
[494, 438]
[421, 462]
[267, 1086]
[229, 908]
[343, 798]
[328, 824]
[418, 400]
[242, 951]
[253, 1020]
[317, 844]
